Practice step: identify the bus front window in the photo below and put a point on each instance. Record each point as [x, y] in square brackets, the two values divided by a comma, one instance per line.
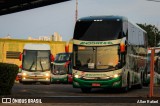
[91, 58]
[34, 60]
[59, 70]
[107, 57]
[98, 30]
[43, 61]
[62, 57]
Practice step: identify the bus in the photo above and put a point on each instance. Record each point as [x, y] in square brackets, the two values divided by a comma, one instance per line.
[61, 68]
[36, 63]
[108, 52]
[156, 67]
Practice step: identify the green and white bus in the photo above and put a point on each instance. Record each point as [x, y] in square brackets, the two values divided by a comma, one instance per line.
[108, 52]
[36, 63]
[61, 68]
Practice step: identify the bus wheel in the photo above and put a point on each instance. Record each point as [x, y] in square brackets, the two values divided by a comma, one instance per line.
[139, 86]
[86, 90]
[125, 89]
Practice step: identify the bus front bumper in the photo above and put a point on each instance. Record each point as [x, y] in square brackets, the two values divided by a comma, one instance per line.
[63, 80]
[108, 83]
[59, 79]
[35, 80]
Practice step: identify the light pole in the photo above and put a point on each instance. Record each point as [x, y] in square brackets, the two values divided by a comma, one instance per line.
[76, 14]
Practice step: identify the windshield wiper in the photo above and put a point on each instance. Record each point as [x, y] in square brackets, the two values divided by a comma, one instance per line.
[41, 64]
[31, 65]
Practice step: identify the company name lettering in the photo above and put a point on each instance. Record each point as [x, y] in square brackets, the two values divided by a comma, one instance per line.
[96, 43]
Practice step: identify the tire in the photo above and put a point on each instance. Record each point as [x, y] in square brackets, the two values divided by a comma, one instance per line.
[140, 86]
[126, 89]
[86, 90]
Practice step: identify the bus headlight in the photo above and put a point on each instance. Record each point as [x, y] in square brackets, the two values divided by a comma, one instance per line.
[47, 74]
[76, 76]
[116, 75]
[24, 74]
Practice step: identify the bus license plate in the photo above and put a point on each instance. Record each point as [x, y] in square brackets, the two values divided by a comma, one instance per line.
[96, 84]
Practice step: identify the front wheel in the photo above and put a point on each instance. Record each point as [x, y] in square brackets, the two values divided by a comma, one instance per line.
[86, 90]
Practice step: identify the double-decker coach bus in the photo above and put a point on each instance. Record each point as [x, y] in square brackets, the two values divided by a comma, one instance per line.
[108, 52]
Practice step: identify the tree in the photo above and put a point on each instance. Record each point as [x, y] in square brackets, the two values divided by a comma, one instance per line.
[153, 34]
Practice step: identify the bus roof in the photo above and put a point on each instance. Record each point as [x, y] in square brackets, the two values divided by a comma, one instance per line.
[37, 47]
[109, 17]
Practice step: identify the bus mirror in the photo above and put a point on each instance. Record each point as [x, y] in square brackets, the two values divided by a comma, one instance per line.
[67, 48]
[52, 58]
[122, 47]
[20, 57]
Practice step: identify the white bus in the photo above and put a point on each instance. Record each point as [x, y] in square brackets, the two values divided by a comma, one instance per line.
[108, 52]
[36, 63]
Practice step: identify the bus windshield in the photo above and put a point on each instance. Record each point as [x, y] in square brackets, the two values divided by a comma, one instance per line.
[62, 57]
[91, 58]
[98, 30]
[59, 69]
[36, 60]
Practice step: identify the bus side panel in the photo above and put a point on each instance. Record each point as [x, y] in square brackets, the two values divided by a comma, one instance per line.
[136, 52]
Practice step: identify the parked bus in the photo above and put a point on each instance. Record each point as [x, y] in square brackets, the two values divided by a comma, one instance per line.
[61, 68]
[108, 52]
[156, 67]
[36, 63]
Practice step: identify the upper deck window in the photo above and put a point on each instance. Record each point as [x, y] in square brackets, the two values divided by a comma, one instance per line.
[98, 30]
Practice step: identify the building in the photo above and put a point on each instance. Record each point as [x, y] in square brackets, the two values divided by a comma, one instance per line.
[56, 37]
[44, 38]
[11, 48]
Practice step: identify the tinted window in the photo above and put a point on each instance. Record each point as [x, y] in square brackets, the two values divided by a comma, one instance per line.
[62, 57]
[98, 30]
[90, 58]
